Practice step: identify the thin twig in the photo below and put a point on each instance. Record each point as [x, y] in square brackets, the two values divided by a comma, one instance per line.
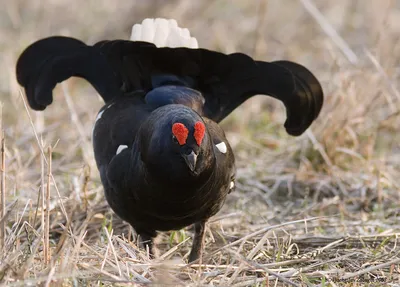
[261, 17]
[47, 225]
[32, 124]
[43, 198]
[269, 271]
[330, 31]
[370, 269]
[42, 152]
[86, 178]
[85, 145]
[260, 231]
[388, 82]
[113, 250]
[50, 277]
[3, 192]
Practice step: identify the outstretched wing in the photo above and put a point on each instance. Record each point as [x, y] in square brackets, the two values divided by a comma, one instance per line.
[52, 60]
[309, 101]
[117, 68]
[241, 78]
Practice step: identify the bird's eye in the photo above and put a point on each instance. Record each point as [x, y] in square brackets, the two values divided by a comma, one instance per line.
[174, 139]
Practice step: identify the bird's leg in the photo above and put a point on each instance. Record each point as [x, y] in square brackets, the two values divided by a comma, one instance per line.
[146, 241]
[198, 241]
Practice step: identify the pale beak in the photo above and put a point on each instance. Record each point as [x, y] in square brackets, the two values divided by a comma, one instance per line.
[191, 160]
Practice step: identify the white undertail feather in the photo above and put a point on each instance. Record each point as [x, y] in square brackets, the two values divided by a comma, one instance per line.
[163, 33]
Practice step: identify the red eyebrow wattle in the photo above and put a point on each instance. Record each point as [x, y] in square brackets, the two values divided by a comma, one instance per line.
[199, 131]
[180, 132]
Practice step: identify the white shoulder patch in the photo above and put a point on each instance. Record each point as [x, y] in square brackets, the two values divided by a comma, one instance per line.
[101, 113]
[98, 116]
[221, 147]
[232, 185]
[121, 148]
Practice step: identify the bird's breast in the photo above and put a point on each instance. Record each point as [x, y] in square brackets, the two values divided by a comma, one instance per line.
[174, 204]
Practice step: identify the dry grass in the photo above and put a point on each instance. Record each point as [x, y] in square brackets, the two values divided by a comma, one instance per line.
[318, 210]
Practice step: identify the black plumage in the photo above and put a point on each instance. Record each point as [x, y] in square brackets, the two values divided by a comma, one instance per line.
[169, 176]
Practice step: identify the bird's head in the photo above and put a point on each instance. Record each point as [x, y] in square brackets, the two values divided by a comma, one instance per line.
[175, 141]
[188, 146]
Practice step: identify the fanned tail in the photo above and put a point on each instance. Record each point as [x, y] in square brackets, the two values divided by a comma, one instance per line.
[163, 33]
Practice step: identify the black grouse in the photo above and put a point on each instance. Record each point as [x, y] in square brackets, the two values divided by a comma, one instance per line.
[164, 161]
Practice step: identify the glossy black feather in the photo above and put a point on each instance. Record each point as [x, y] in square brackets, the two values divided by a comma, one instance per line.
[146, 90]
[149, 187]
[50, 61]
[225, 81]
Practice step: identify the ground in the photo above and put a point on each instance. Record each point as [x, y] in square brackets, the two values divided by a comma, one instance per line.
[321, 209]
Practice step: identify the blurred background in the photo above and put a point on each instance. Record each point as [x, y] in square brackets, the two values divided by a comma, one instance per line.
[348, 162]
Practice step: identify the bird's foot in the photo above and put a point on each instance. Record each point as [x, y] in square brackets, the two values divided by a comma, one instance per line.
[198, 242]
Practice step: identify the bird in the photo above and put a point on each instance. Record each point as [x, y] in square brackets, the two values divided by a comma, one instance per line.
[164, 161]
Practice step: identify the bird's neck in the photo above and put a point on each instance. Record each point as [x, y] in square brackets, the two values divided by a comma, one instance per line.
[166, 174]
